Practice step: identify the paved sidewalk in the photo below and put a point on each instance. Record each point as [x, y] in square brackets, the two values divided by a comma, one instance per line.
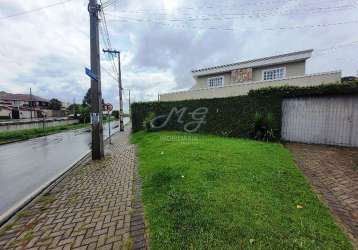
[333, 172]
[91, 208]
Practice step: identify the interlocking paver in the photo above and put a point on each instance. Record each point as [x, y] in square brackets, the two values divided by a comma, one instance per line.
[333, 172]
[89, 209]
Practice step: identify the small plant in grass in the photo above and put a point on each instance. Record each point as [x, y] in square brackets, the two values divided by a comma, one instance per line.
[6, 228]
[152, 123]
[263, 127]
[72, 200]
[47, 199]
[28, 236]
[129, 244]
[355, 165]
[22, 214]
[147, 123]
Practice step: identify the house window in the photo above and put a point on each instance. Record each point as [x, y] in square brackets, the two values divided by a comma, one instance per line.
[217, 81]
[274, 74]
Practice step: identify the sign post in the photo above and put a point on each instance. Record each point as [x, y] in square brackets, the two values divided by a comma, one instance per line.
[109, 108]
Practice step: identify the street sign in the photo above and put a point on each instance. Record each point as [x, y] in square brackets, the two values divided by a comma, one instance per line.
[108, 107]
[91, 74]
[94, 118]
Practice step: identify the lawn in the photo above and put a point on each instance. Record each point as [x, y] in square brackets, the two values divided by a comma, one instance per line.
[207, 192]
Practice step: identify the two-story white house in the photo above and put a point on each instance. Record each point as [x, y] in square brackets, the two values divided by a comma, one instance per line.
[239, 78]
[22, 106]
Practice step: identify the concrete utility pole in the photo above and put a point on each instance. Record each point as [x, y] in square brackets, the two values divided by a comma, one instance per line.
[96, 94]
[121, 125]
[129, 100]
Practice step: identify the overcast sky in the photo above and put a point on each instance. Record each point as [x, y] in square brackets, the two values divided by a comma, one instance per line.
[163, 40]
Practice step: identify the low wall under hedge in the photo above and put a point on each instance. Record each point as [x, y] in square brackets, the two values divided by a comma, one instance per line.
[234, 116]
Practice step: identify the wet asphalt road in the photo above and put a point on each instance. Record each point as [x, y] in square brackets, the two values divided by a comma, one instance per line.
[26, 166]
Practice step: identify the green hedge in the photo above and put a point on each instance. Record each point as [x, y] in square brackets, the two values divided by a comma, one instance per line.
[350, 87]
[226, 116]
[234, 116]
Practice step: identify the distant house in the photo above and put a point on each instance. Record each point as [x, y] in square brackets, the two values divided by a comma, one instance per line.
[239, 78]
[22, 106]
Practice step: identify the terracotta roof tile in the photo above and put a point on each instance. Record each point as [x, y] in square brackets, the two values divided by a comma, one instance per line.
[21, 97]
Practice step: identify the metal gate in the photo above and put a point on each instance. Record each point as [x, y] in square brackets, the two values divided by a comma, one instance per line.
[321, 120]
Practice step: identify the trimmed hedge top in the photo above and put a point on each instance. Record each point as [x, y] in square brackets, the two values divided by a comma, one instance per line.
[349, 87]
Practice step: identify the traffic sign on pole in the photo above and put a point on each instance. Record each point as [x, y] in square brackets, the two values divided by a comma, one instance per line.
[91, 74]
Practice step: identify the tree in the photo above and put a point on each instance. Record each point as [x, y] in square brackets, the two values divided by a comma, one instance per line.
[87, 98]
[84, 111]
[55, 104]
[74, 109]
[115, 113]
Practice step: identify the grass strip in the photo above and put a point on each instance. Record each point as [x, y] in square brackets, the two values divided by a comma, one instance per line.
[24, 134]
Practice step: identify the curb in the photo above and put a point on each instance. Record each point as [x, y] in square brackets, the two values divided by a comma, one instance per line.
[48, 186]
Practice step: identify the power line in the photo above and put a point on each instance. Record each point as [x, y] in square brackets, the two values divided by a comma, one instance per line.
[108, 3]
[333, 48]
[231, 7]
[106, 44]
[231, 16]
[233, 29]
[224, 17]
[109, 74]
[35, 9]
[109, 45]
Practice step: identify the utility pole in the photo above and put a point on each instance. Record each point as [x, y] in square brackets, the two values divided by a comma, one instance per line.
[121, 125]
[96, 94]
[129, 100]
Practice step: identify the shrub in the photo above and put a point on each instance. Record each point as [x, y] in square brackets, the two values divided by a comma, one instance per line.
[115, 113]
[263, 127]
[147, 123]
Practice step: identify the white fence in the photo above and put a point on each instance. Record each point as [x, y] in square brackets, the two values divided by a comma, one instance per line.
[321, 120]
[49, 122]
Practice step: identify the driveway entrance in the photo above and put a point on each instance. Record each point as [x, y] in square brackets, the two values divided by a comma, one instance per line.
[333, 173]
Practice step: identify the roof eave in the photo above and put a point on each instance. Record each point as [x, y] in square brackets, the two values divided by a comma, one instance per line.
[262, 62]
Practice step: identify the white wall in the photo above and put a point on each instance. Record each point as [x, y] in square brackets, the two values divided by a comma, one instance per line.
[11, 126]
[4, 112]
[244, 88]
